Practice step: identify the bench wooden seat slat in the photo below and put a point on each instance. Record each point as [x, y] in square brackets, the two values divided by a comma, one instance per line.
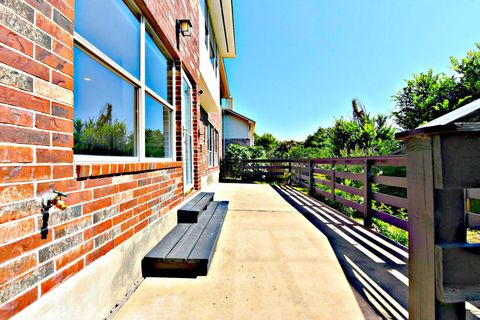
[203, 250]
[188, 249]
[161, 250]
[190, 211]
[182, 248]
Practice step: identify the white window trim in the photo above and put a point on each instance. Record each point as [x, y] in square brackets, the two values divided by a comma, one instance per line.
[187, 187]
[141, 89]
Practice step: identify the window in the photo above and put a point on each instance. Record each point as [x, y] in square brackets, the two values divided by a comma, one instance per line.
[122, 105]
[212, 145]
[210, 41]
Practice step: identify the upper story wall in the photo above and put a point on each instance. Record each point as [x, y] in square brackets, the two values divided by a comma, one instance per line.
[165, 13]
[235, 128]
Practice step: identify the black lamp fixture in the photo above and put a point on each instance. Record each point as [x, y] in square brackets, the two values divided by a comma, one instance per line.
[184, 27]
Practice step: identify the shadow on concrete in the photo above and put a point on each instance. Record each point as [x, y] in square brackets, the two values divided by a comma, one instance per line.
[376, 266]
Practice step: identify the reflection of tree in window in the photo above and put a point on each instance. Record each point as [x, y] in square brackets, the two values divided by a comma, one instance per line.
[103, 136]
[154, 146]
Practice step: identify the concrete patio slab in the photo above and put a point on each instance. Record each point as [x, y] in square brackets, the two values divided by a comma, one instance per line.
[270, 263]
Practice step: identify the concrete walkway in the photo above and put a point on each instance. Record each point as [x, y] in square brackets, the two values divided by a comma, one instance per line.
[270, 263]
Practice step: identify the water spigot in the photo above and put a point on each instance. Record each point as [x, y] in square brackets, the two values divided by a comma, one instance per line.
[48, 200]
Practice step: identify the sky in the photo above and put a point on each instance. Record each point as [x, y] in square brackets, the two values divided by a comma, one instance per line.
[300, 63]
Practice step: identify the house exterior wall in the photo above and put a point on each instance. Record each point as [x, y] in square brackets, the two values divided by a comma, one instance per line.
[115, 208]
[208, 173]
[235, 128]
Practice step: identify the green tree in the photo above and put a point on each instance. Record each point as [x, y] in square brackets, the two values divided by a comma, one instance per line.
[428, 95]
[317, 140]
[268, 142]
[103, 136]
[284, 147]
[231, 162]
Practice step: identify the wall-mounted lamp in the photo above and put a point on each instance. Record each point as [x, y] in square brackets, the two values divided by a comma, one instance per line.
[184, 27]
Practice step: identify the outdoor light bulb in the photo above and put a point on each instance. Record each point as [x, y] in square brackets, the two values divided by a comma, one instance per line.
[87, 79]
[184, 26]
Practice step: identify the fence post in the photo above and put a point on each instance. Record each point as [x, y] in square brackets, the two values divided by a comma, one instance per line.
[242, 170]
[332, 181]
[312, 178]
[367, 194]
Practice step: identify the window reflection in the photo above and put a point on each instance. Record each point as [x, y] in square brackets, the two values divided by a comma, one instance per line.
[156, 68]
[111, 27]
[104, 103]
[157, 129]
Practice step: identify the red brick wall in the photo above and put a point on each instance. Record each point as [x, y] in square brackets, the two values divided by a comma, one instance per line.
[215, 118]
[108, 203]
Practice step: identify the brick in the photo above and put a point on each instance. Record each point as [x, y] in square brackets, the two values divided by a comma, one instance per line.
[10, 154]
[15, 79]
[11, 20]
[22, 99]
[61, 80]
[16, 229]
[72, 227]
[66, 8]
[54, 124]
[16, 41]
[53, 60]
[62, 140]
[62, 172]
[54, 30]
[122, 238]
[62, 111]
[16, 116]
[73, 254]
[23, 136]
[54, 156]
[53, 92]
[97, 229]
[17, 248]
[23, 63]
[105, 191]
[20, 8]
[18, 285]
[42, 6]
[96, 205]
[140, 226]
[59, 247]
[17, 267]
[62, 50]
[128, 205]
[105, 214]
[98, 182]
[99, 252]
[79, 197]
[63, 275]
[122, 217]
[67, 185]
[12, 193]
[62, 21]
[58, 217]
[18, 210]
[106, 236]
[11, 308]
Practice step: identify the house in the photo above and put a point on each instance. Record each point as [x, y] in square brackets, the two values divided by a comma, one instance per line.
[117, 105]
[237, 129]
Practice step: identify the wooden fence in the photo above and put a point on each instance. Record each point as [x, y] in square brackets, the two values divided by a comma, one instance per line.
[367, 182]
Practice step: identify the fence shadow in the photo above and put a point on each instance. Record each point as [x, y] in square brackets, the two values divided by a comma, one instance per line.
[375, 266]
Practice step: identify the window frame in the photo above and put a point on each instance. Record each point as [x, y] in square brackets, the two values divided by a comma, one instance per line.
[141, 90]
[211, 41]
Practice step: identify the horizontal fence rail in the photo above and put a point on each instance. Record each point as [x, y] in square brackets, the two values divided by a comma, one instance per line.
[373, 186]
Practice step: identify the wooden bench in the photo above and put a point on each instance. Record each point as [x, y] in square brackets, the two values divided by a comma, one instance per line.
[190, 211]
[187, 250]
